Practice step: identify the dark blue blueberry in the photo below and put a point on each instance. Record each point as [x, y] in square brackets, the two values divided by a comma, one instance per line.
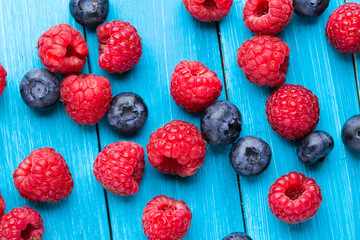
[221, 123]
[350, 133]
[315, 147]
[310, 7]
[40, 88]
[89, 12]
[127, 112]
[237, 236]
[250, 156]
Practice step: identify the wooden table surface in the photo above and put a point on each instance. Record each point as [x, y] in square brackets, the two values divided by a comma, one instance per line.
[221, 202]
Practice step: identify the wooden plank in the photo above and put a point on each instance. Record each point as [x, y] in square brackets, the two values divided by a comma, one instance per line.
[330, 75]
[83, 214]
[170, 35]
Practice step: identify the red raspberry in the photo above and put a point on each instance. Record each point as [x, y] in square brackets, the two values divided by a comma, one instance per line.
[120, 46]
[194, 86]
[208, 10]
[3, 75]
[294, 198]
[177, 148]
[264, 60]
[43, 176]
[119, 167]
[21, 223]
[63, 49]
[343, 28]
[2, 206]
[292, 111]
[267, 17]
[87, 97]
[165, 218]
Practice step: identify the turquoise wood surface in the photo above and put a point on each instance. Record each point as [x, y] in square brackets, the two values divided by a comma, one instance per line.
[170, 35]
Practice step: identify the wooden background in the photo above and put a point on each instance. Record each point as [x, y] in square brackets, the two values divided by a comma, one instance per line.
[221, 202]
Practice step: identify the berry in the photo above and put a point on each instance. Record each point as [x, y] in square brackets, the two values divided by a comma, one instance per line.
[310, 7]
[350, 133]
[292, 111]
[221, 123]
[343, 28]
[119, 167]
[2, 206]
[208, 10]
[3, 75]
[237, 236]
[21, 223]
[43, 176]
[177, 148]
[127, 112]
[63, 49]
[267, 17]
[194, 86]
[40, 89]
[165, 218]
[89, 12]
[264, 60]
[250, 156]
[294, 198]
[86, 97]
[120, 46]
[315, 147]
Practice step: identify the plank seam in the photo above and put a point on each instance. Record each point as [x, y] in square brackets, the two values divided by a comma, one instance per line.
[356, 77]
[227, 98]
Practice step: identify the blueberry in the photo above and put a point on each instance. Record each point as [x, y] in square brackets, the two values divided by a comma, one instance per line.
[40, 89]
[127, 112]
[310, 7]
[250, 156]
[237, 236]
[350, 133]
[89, 12]
[315, 147]
[221, 123]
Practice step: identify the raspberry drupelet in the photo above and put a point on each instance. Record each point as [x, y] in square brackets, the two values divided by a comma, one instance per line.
[264, 60]
[2, 206]
[3, 75]
[165, 218]
[294, 198]
[208, 10]
[43, 176]
[119, 167]
[120, 46]
[177, 148]
[63, 49]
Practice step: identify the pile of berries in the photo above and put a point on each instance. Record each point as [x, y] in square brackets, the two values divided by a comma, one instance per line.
[178, 147]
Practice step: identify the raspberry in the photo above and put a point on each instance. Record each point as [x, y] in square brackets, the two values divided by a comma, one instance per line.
[3, 75]
[63, 49]
[343, 28]
[208, 10]
[267, 17]
[177, 148]
[86, 97]
[21, 223]
[292, 111]
[194, 86]
[120, 46]
[165, 218]
[264, 60]
[2, 206]
[43, 176]
[119, 167]
[294, 198]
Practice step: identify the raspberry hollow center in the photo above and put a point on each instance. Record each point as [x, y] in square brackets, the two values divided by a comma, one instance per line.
[294, 192]
[209, 4]
[262, 8]
[26, 234]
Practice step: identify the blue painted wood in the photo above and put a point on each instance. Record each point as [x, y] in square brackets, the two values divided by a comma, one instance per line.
[170, 35]
[314, 63]
[83, 214]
